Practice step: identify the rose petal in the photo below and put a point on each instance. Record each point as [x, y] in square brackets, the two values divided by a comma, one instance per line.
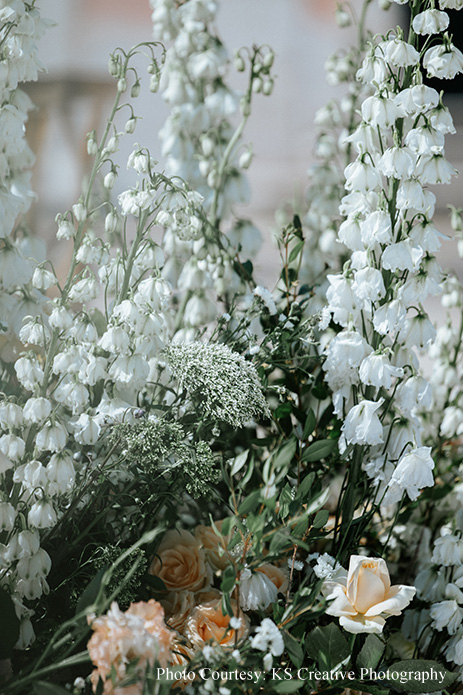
[341, 604]
[397, 598]
[361, 624]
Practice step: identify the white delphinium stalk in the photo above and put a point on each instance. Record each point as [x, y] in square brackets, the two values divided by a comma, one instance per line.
[378, 297]
[20, 28]
[202, 144]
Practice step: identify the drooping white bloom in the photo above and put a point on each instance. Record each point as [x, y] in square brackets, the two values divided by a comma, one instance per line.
[413, 472]
[443, 61]
[257, 591]
[362, 425]
[376, 370]
[448, 615]
[448, 550]
[430, 22]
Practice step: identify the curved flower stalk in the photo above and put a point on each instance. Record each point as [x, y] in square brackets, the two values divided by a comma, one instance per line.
[20, 28]
[203, 146]
[371, 364]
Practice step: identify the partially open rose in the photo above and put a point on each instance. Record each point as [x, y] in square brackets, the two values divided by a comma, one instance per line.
[365, 598]
[181, 562]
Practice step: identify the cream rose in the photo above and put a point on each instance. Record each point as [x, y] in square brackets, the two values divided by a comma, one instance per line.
[211, 543]
[365, 598]
[181, 562]
[206, 623]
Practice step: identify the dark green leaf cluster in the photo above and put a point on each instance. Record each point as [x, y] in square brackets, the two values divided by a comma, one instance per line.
[105, 557]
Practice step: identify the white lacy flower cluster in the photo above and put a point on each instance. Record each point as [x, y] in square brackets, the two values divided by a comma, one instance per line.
[440, 584]
[201, 145]
[20, 28]
[371, 365]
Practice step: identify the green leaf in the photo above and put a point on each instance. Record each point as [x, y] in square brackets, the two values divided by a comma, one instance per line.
[43, 688]
[283, 410]
[91, 591]
[9, 632]
[310, 423]
[238, 462]
[287, 686]
[250, 502]
[371, 652]
[228, 580]
[284, 456]
[327, 645]
[294, 649]
[367, 688]
[295, 251]
[321, 518]
[319, 450]
[305, 486]
[420, 676]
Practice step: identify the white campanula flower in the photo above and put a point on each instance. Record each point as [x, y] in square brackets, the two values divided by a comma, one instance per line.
[405, 435]
[376, 370]
[42, 515]
[200, 310]
[61, 473]
[425, 235]
[413, 472]
[402, 256]
[430, 584]
[115, 340]
[344, 356]
[362, 425]
[454, 648]
[443, 61]
[442, 120]
[32, 475]
[52, 437]
[376, 228]
[368, 285]
[268, 638]
[451, 4]
[72, 393]
[26, 634]
[415, 100]
[398, 162]
[413, 394]
[12, 446]
[43, 279]
[362, 176]
[411, 195]
[60, 318]
[424, 139]
[343, 303]
[349, 233]
[8, 516]
[448, 615]
[448, 550]
[400, 54]
[373, 69]
[434, 168]
[379, 111]
[365, 598]
[417, 331]
[257, 591]
[11, 415]
[87, 429]
[34, 332]
[430, 22]
[359, 202]
[452, 422]
[84, 290]
[38, 564]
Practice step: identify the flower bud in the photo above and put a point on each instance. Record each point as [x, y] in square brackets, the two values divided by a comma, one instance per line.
[122, 85]
[66, 230]
[92, 145]
[268, 59]
[154, 82]
[257, 85]
[113, 66]
[109, 179]
[80, 212]
[245, 159]
[130, 125]
[111, 221]
[239, 63]
[135, 91]
[245, 106]
[267, 87]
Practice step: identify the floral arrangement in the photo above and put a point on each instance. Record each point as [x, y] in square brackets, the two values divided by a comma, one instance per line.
[208, 485]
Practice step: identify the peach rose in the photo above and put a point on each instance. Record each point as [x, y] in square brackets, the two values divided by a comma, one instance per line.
[178, 604]
[181, 562]
[277, 575]
[207, 623]
[211, 543]
[139, 634]
[365, 598]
